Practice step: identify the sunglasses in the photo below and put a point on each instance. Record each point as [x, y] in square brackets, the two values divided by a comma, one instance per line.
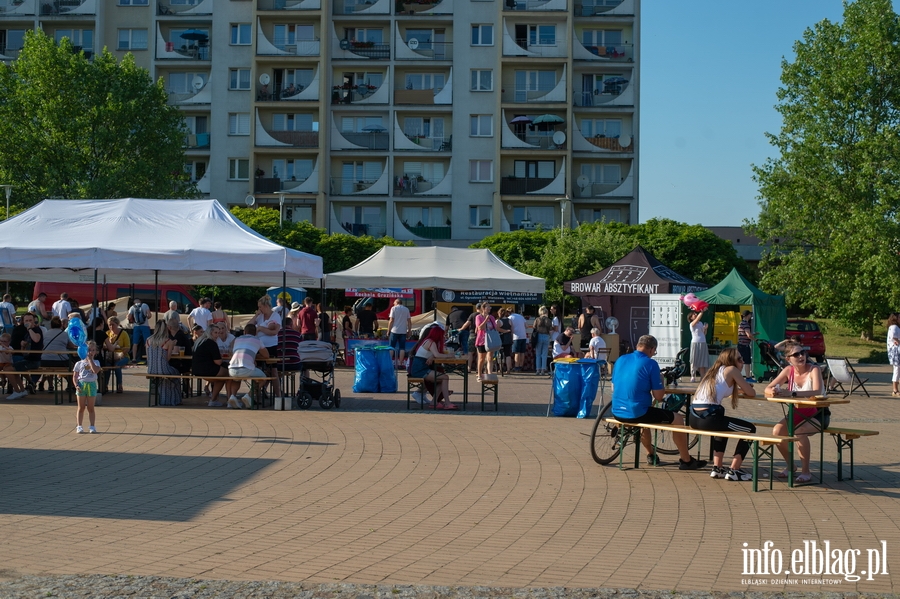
[796, 354]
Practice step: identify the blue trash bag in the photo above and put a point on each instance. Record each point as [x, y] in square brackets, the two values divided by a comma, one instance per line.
[387, 377]
[366, 371]
[566, 389]
[590, 382]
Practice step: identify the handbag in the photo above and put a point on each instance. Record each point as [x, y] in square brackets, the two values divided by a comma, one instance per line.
[534, 337]
[492, 340]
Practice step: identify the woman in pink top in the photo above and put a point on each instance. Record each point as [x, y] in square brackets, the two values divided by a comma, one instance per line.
[483, 322]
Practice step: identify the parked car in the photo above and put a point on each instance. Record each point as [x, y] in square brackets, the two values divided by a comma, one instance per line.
[810, 336]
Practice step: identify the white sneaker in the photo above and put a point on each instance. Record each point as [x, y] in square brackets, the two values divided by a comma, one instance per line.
[15, 395]
[79, 430]
[248, 402]
[233, 403]
[92, 430]
[417, 395]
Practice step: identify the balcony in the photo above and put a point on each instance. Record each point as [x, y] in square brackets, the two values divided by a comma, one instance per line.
[359, 94]
[612, 93]
[521, 186]
[196, 141]
[613, 53]
[341, 186]
[294, 139]
[422, 143]
[415, 96]
[610, 144]
[360, 229]
[9, 53]
[361, 7]
[369, 50]
[418, 50]
[425, 8]
[556, 46]
[429, 232]
[365, 140]
[266, 185]
[192, 9]
[541, 5]
[288, 4]
[281, 47]
[17, 8]
[592, 8]
[599, 189]
[68, 8]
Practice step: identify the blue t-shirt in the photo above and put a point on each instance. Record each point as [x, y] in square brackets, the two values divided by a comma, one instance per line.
[635, 375]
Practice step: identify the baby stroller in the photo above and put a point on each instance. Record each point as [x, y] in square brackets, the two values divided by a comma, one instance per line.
[317, 376]
[672, 373]
[770, 359]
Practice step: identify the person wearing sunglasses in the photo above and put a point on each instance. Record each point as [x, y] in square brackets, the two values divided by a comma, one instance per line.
[800, 378]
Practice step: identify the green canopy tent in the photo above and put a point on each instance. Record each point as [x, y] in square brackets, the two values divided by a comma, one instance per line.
[769, 314]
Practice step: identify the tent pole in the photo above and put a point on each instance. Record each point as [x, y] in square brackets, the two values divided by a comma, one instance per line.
[283, 315]
[96, 301]
[156, 293]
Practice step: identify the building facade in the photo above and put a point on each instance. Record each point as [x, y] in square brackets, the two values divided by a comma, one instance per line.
[439, 121]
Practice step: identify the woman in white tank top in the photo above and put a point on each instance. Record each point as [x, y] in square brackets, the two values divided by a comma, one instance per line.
[708, 414]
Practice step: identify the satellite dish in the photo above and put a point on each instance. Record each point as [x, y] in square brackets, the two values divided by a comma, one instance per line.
[345, 44]
[625, 141]
[264, 79]
[559, 138]
[583, 181]
[250, 200]
[197, 82]
[611, 323]
[413, 43]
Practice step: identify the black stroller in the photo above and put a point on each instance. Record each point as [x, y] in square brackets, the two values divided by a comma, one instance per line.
[770, 359]
[317, 376]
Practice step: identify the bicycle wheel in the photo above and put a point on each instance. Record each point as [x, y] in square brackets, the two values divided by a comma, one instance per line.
[605, 438]
[665, 444]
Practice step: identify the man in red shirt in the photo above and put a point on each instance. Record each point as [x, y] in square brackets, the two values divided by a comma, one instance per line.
[307, 318]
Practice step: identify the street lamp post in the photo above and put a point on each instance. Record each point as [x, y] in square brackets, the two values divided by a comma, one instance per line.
[280, 209]
[563, 202]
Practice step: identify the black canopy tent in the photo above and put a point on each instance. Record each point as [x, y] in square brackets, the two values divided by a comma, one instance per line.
[623, 290]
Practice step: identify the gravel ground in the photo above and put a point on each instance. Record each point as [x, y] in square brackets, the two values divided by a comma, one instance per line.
[153, 587]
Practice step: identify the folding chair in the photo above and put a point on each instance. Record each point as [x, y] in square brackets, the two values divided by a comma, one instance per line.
[842, 373]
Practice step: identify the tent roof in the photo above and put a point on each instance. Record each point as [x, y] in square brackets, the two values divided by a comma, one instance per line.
[637, 273]
[735, 290]
[130, 240]
[435, 267]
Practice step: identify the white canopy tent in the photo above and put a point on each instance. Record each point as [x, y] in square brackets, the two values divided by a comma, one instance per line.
[435, 267]
[145, 241]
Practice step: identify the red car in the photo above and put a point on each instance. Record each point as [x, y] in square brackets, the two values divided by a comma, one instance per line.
[810, 336]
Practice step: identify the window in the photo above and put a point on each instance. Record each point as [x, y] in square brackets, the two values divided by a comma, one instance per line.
[533, 84]
[534, 169]
[480, 216]
[607, 174]
[294, 122]
[183, 83]
[376, 36]
[434, 81]
[542, 35]
[80, 38]
[289, 35]
[239, 123]
[11, 39]
[602, 37]
[350, 124]
[601, 127]
[482, 80]
[195, 124]
[481, 171]
[530, 217]
[239, 169]
[482, 125]
[292, 170]
[482, 35]
[429, 171]
[132, 39]
[593, 215]
[240, 34]
[134, 2]
[423, 216]
[239, 79]
[427, 127]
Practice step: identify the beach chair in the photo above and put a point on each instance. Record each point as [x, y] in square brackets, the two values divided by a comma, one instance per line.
[842, 373]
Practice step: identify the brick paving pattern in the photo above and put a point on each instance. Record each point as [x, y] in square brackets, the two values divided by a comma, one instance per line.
[373, 494]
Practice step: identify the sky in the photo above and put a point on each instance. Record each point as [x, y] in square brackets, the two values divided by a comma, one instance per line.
[709, 73]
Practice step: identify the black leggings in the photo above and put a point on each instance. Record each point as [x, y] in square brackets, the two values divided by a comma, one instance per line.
[720, 422]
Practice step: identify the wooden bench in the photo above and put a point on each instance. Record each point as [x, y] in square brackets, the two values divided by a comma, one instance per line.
[488, 387]
[256, 389]
[843, 437]
[761, 444]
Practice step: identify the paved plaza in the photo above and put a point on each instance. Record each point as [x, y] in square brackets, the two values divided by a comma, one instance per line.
[373, 494]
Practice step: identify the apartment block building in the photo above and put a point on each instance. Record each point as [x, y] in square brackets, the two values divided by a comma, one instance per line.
[439, 121]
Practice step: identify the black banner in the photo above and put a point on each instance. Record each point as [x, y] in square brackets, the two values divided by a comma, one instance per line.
[494, 296]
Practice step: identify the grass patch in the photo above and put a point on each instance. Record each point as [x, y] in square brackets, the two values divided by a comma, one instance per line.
[846, 343]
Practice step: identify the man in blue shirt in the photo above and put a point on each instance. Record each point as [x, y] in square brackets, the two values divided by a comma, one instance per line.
[637, 384]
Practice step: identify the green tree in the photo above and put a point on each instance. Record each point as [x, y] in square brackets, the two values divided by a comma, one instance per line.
[829, 201]
[74, 128]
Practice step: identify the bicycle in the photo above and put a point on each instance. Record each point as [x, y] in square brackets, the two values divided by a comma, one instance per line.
[605, 439]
